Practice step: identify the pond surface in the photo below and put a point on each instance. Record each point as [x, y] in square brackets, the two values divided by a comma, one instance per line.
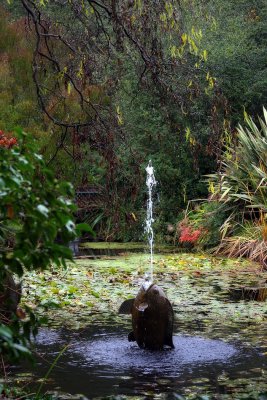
[220, 344]
[100, 362]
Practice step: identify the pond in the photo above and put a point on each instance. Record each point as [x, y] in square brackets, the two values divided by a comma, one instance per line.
[220, 344]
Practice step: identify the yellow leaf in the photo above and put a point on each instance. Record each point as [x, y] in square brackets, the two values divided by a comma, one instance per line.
[180, 52]
[69, 88]
[192, 141]
[133, 19]
[173, 51]
[134, 217]
[119, 115]
[246, 118]
[211, 82]
[192, 46]
[80, 71]
[163, 17]
[211, 187]
[187, 133]
[169, 9]
[184, 38]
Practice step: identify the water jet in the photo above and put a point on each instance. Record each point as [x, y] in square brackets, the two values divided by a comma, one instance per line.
[152, 313]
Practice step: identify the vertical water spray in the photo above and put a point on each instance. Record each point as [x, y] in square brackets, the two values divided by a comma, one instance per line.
[150, 183]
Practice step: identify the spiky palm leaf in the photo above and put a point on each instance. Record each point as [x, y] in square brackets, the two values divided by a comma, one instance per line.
[242, 183]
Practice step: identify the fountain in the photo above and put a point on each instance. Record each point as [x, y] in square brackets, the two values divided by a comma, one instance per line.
[152, 313]
[150, 183]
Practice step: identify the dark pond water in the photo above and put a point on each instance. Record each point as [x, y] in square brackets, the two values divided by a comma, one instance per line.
[100, 362]
[220, 345]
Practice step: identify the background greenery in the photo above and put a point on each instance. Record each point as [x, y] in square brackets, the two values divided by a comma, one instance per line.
[104, 87]
[220, 74]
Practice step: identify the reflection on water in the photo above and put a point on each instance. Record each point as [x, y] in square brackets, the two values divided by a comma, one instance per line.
[101, 362]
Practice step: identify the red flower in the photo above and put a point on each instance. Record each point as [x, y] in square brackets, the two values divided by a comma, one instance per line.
[6, 140]
[187, 235]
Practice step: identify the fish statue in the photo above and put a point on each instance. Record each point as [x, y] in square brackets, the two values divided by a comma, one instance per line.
[152, 318]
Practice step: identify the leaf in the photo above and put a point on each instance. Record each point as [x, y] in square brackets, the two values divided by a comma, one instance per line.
[5, 332]
[69, 88]
[73, 289]
[70, 225]
[10, 211]
[119, 115]
[184, 38]
[95, 294]
[265, 114]
[187, 133]
[173, 51]
[43, 209]
[83, 227]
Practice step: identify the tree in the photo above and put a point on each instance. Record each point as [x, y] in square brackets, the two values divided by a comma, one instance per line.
[85, 53]
[120, 82]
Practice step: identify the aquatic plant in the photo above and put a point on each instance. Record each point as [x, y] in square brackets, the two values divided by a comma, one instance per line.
[88, 294]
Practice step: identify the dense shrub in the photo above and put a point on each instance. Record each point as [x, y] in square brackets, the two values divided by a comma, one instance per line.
[35, 209]
[241, 185]
[201, 224]
[239, 192]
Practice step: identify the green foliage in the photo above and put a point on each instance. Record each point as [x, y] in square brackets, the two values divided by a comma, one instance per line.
[234, 34]
[152, 117]
[241, 184]
[171, 89]
[239, 193]
[237, 205]
[37, 205]
[158, 133]
[35, 210]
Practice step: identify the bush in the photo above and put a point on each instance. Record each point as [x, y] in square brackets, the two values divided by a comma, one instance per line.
[241, 185]
[241, 189]
[35, 209]
[201, 225]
